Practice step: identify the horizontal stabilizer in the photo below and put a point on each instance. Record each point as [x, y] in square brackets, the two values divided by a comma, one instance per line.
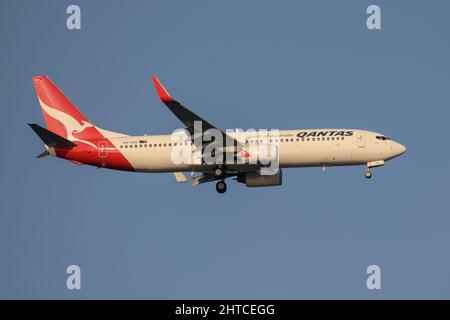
[43, 154]
[51, 139]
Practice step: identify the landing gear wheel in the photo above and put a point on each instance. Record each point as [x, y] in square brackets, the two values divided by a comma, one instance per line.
[368, 174]
[218, 172]
[221, 186]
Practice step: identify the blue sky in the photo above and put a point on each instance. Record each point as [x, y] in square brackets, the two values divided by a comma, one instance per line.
[252, 64]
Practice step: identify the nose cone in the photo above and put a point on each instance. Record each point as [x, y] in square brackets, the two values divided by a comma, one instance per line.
[399, 149]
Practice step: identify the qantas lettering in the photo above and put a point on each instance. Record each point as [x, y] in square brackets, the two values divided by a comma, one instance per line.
[304, 134]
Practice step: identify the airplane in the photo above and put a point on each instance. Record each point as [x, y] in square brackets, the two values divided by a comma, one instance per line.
[70, 135]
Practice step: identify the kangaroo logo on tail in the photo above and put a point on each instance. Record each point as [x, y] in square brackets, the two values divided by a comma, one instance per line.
[71, 124]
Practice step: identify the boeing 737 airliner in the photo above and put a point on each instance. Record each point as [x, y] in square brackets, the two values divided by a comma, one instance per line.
[71, 136]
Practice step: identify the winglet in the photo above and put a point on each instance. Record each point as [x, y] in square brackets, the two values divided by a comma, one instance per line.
[162, 92]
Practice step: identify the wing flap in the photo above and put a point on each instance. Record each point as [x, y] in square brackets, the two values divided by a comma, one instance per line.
[181, 178]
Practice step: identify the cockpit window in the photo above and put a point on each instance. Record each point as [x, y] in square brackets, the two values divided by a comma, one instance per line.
[382, 138]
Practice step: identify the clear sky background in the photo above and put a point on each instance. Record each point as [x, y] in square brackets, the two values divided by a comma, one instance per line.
[239, 64]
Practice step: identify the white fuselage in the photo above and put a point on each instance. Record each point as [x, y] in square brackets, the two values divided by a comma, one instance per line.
[297, 148]
[252, 157]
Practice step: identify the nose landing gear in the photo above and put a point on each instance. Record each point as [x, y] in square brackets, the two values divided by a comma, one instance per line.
[221, 186]
[372, 164]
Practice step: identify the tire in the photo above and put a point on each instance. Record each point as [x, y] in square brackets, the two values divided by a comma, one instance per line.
[368, 174]
[221, 187]
[218, 172]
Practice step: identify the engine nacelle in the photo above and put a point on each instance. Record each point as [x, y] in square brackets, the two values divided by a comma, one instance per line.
[255, 179]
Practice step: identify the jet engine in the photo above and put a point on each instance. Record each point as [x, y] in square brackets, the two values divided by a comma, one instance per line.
[255, 179]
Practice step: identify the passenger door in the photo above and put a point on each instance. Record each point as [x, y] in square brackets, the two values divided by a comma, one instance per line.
[361, 139]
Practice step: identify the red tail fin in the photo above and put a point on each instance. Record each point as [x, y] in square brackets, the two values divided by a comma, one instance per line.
[60, 115]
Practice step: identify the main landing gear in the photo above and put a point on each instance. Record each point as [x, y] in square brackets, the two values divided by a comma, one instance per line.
[368, 174]
[218, 172]
[221, 186]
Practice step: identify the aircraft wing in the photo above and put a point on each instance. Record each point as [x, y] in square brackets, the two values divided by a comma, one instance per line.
[186, 116]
